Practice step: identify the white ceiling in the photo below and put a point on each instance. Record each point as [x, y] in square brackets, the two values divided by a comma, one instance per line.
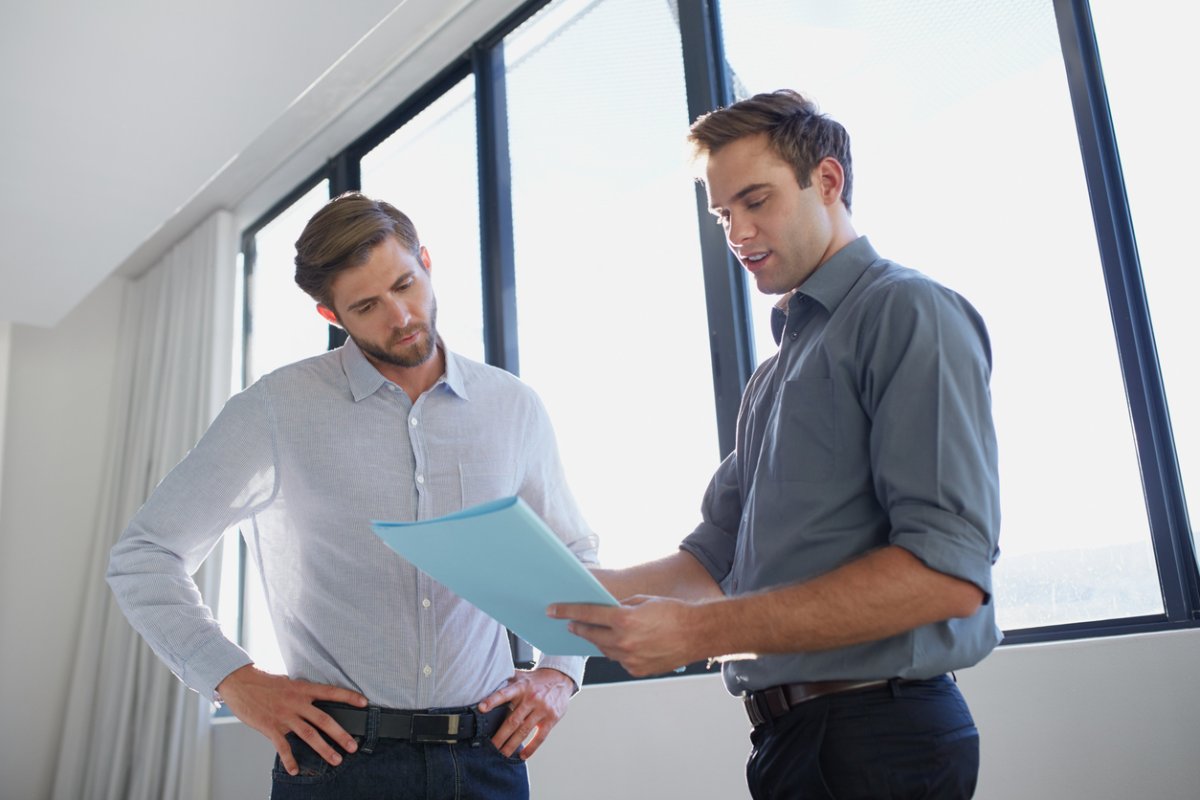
[123, 124]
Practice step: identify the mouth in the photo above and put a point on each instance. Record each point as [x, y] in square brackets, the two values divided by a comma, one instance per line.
[404, 338]
[754, 261]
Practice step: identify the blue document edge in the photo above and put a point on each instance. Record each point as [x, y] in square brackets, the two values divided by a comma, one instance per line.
[503, 559]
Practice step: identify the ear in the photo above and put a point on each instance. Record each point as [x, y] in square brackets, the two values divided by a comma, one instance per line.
[829, 178]
[328, 314]
[425, 259]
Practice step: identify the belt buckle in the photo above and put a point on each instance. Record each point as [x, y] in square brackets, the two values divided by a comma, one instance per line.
[437, 728]
[757, 717]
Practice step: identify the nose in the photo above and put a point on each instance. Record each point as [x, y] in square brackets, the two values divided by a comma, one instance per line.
[399, 314]
[738, 230]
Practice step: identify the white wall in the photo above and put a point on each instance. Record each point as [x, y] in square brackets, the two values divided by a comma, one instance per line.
[5, 338]
[1101, 719]
[55, 428]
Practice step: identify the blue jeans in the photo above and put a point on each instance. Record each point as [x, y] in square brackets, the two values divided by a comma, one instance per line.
[394, 769]
[914, 740]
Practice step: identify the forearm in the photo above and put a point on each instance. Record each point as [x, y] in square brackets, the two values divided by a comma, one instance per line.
[679, 575]
[882, 594]
[162, 603]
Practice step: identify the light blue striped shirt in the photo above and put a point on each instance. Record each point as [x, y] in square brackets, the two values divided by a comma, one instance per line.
[302, 461]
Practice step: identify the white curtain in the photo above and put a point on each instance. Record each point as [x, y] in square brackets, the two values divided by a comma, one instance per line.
[132, 731]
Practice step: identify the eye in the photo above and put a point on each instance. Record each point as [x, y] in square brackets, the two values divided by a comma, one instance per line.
[753, 204]
[364, 308]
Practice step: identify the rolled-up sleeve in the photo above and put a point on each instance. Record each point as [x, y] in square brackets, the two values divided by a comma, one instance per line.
[714, 541]
[927, 364]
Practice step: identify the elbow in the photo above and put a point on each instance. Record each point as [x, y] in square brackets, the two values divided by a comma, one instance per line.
[964, 600]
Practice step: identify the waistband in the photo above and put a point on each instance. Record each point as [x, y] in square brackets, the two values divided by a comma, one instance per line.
[440, 725]
[775, 701]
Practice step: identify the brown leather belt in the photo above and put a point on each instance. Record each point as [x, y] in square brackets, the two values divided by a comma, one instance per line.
[775, 701]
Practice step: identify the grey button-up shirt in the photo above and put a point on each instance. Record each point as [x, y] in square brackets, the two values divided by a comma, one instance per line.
[303, 460]
[871, 426]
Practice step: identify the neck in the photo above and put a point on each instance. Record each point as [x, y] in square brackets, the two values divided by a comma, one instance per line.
[843, 234]
[415, 381]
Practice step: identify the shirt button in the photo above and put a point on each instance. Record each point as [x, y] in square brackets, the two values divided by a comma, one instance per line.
[413, 422]
[420, 479]
[427, 671]
[426, 603]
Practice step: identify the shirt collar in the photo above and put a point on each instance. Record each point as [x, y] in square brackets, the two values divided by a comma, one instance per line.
[454, 377]
[830, 284]
[365, 380]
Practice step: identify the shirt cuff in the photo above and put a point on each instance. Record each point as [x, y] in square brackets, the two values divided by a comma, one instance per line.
[213, 663]
[713, 548]
[571, 666]
[949, 544]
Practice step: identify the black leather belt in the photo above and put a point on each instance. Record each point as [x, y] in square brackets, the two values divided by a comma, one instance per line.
[454, 725]
[775, 701]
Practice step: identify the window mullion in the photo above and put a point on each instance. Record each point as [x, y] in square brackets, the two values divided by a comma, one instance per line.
[495, 209]
[1138, 355]
[729, 337]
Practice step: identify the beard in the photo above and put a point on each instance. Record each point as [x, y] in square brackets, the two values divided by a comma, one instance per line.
[413, 355]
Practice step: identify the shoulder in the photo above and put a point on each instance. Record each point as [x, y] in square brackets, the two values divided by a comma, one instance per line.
[894, 295]
[494, 385]
[888, 282]
[315, 374]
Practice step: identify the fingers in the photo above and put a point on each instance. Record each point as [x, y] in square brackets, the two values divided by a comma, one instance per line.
[509, 737]
[336, 694]
[584, 612]
[531, 747]
[538, 700]
[276, 705]
[499, 697]
[333, 730]
[506, 737]
[286, 759]
[644, 634]
[313, 738]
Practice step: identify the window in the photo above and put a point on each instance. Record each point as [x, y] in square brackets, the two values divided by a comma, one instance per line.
[1158, 156]
[966, 166]
[281, 325]
[427, 169]
[611, 315]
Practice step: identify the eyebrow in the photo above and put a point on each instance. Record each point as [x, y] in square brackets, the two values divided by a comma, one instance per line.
[359, 303]
[754, 187]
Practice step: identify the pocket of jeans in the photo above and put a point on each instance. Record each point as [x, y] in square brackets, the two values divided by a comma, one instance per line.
[312, 768]
[514, 759]
[483, 481]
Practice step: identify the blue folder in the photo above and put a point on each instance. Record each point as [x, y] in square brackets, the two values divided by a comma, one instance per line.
[502, 558]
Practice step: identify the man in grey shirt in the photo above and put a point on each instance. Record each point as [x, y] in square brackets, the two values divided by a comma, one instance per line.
[843, 563]
[392, 679]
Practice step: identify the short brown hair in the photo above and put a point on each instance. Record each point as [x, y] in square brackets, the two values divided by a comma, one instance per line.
[342, 235]
[797, 132]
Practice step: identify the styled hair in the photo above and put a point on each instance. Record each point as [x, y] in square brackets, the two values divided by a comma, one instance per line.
[342, 235]
[796, 131]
